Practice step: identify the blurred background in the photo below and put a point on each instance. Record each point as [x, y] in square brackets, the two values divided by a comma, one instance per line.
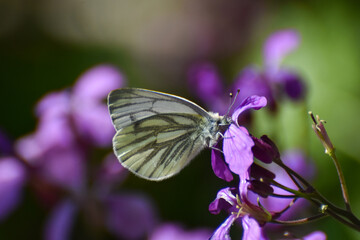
[46, 45]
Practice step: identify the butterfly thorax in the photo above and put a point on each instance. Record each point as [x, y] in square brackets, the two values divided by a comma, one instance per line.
[214, 128]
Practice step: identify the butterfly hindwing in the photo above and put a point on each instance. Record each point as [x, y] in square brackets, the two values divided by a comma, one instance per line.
[159, 146]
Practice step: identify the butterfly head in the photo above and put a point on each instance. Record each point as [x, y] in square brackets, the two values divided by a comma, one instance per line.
[224, 122]
[217, 127]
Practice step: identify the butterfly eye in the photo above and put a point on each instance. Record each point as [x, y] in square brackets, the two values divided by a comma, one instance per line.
[228, 120]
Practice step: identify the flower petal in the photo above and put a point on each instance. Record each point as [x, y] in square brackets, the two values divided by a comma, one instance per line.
[219, 166]
[89, 111]
[261, 188]
[252, 230]
[65, 167]
[96, 83]
[317, 235]
[222, 232]
[224, 200]
[53, 105]
[173, 231]
[53, 130]
[297, 160]
[237, 150]
[255, 102]
[93, 124]
[294, 86]
[265, 150]
[205, 82]
[12, 179]
[278, 45]
[60, 221]
[251, 82]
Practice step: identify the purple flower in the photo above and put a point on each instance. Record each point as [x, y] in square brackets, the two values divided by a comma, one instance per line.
[53, 130]
[277, 47]
[125, 215]
[71, 121]
[66, 116]
[273, 81]
[90, 113]
[239, 149]
[12, 179]
[250, 215]
[237, 146]
[174, 231]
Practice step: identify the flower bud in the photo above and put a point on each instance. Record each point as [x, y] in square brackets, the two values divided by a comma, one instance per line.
[320, 131]
[265, 150]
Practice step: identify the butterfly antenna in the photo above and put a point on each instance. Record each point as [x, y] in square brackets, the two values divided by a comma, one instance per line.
[233, 100]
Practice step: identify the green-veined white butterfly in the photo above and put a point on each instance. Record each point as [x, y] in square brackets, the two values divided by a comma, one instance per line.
[158, 134]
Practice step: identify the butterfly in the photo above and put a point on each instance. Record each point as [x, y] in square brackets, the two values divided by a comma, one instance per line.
[158, 134]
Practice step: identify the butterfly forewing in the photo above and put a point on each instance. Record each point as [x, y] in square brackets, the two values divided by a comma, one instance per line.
[129, 105]
[158, 134]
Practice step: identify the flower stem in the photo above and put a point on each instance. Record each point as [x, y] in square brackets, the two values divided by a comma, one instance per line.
[321, 202]
[301, 221]
[291, 172]
[342, 180]
[320, 131]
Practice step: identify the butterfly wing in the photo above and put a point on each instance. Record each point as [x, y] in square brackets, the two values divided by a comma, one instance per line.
[159, 146]
[129, 105]
[157, 134]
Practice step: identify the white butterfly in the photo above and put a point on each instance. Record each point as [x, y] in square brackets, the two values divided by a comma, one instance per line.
[158, 134]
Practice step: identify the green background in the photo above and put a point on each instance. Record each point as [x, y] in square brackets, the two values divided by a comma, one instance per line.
[45, 46]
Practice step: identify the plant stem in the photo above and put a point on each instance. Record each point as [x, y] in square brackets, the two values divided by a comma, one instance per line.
[301, 221]
[317, 199]
[342, 180]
